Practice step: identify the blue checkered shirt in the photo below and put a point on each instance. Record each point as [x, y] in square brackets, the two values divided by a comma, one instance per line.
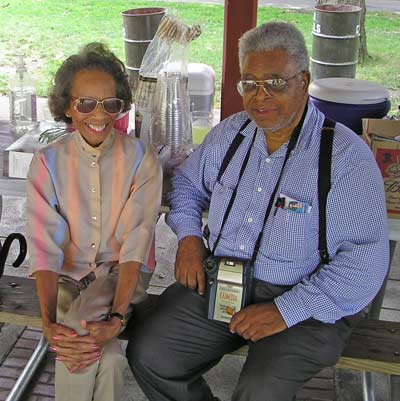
[356, 216]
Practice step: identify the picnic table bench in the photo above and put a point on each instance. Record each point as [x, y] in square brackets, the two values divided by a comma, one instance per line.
[373, 347]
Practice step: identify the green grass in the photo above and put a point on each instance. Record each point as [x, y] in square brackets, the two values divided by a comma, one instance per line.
[47, 31]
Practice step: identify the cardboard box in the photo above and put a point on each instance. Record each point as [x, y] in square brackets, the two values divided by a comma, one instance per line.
[380, 136]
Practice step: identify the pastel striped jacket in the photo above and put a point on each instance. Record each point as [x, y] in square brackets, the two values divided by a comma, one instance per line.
[91, 208]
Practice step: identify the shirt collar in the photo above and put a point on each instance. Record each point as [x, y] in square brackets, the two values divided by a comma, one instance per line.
[91, 150]
[303, 138]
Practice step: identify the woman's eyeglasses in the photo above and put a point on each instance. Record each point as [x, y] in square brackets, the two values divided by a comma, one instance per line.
[87, 105]
[270, 86]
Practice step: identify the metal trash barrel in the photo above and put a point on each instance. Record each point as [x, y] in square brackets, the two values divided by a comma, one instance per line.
[336, 32]
[140, 26]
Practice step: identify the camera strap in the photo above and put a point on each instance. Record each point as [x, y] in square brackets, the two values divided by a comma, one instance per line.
[292, 144]
[229, 154]
[324, 181]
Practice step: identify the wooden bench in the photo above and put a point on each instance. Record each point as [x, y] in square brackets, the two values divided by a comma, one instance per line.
[374, 345]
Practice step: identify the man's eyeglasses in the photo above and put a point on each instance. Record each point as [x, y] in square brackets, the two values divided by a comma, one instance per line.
[87, 105]
[270, 86]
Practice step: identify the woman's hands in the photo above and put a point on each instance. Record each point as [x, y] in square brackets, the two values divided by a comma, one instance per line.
[79, 352]
[76, 352]
[103, 332]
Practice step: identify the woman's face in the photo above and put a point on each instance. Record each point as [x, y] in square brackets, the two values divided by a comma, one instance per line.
[95, 126]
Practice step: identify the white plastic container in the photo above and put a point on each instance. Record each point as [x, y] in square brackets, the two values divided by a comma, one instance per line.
[201, 87]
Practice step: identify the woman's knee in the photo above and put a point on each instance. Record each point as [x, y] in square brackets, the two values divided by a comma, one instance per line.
[112, 358]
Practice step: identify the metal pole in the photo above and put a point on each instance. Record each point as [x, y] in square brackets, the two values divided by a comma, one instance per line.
[368, 386]
[34, 361]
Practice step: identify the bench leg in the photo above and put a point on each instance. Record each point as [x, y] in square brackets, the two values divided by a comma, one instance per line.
[376, 305]
[29, 370]
[368, 386]
[395, 388]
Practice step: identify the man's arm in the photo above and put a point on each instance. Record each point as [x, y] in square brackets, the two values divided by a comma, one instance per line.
[359, 250]
[189, 263]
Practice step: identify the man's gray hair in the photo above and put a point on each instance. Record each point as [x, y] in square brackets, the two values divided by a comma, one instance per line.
[275, 35]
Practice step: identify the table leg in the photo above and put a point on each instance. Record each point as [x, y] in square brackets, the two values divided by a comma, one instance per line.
[376, 305]
[395, 388]
[368, 380]
[34, 361]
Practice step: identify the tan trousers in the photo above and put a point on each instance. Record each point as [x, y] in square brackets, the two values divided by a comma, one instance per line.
[91, 299]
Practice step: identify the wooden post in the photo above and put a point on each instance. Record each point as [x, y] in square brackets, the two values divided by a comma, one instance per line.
[240, 16]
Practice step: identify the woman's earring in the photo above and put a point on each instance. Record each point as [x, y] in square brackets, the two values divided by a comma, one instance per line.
[68, 115]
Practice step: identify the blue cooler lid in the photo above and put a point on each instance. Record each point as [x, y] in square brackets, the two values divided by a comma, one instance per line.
[348, 91]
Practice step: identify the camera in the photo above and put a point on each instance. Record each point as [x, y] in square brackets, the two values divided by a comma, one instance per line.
[228, 286]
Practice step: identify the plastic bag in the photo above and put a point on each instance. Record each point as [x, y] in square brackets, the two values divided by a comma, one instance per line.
[165, 61]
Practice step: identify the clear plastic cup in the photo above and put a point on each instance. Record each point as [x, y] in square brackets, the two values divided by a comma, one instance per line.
[202, 122]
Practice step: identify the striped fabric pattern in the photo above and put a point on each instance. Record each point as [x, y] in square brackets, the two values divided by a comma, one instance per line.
[356, 216]
[91, 208]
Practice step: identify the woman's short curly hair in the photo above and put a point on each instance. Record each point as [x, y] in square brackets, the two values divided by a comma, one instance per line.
[93, 56]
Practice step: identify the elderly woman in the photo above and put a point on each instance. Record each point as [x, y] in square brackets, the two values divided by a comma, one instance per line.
[93, 199]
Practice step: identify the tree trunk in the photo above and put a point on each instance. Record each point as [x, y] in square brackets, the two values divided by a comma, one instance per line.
[363, 49]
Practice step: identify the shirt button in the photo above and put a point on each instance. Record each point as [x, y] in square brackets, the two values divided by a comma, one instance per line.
[268, 160]
[241, 247]
[92, 265]
[250, 220]
[93, 164]
[259, 189]
[94, 156]
[94, 217]
[93, 245]
[93, 190]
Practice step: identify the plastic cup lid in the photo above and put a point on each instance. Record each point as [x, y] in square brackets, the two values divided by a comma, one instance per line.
[348, 90]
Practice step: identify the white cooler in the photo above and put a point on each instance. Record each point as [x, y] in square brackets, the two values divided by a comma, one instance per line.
[201, 87]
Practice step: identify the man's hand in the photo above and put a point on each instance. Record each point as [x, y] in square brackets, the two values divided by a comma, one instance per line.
[76, 352]
[257, 321]
[189, 269]
[103, 331]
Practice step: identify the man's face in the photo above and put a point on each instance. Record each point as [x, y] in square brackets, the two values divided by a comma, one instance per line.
[95, 126]
[275, 110]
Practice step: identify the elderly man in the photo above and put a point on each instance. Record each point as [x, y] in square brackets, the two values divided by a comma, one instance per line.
[301, 310]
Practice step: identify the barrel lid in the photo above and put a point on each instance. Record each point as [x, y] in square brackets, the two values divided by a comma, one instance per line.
[348, 90]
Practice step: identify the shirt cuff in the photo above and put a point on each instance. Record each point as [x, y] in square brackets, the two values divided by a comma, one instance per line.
[292, 308]
[188, 232]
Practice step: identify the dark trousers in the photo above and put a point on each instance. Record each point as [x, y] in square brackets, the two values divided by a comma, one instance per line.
[171, 348]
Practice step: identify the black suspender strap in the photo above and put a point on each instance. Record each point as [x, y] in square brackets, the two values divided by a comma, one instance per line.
[324, 184]
[234, 193]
